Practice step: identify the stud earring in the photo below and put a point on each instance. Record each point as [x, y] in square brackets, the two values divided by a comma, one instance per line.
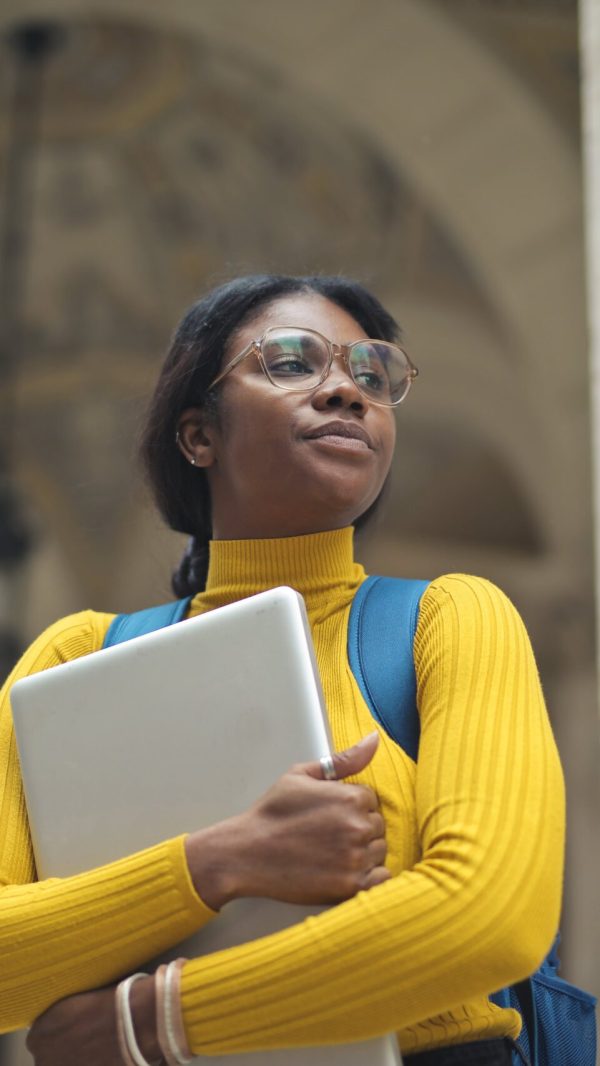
[178, 443]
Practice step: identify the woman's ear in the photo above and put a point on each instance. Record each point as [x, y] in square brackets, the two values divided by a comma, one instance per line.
[195, 437]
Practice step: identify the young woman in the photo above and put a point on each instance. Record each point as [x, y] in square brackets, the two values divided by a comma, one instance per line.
[269, 438]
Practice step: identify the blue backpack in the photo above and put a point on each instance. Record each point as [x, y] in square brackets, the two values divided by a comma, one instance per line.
[559, 1025]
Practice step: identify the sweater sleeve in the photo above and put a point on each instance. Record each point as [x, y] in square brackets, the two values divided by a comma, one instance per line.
[481, 906]
[62, 936]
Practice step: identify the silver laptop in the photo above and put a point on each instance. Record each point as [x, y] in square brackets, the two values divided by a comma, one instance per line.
[215, 708]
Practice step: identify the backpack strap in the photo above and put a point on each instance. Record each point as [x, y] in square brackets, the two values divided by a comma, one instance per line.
[381, 630]
[526, 998]
[525, 992]
[126, 626]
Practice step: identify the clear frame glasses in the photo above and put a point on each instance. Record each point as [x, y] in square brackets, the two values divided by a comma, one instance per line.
[299, 360]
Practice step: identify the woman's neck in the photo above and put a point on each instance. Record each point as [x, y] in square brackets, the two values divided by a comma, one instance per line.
[317, 565]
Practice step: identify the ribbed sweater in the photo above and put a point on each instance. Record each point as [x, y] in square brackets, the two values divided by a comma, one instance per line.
[475, 835]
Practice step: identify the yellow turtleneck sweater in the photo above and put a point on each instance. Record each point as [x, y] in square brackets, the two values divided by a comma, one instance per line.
[474, 831]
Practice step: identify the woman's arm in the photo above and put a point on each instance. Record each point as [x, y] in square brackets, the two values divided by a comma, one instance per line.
[106, 921]
[304, 841]
[481, 907]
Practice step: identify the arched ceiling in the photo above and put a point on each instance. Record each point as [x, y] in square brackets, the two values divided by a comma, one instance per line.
[196, 141]
[539, 41]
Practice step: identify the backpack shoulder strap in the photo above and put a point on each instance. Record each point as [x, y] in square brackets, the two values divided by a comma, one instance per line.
[381, 630]
[526, 998]
[126, 626]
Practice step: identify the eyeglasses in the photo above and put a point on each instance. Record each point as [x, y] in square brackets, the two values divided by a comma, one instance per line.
[299, 360]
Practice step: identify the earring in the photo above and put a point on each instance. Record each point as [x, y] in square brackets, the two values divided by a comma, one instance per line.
[178, 443]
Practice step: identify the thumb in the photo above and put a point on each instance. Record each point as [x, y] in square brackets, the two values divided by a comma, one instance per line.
[345, 763]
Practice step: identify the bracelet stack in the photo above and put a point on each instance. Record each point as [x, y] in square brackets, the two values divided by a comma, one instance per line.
[169, 1019]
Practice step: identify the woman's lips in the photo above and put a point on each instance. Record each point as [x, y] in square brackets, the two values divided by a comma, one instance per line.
[338, 434]
[348, 443]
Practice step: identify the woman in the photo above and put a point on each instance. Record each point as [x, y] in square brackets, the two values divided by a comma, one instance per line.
[270, 438]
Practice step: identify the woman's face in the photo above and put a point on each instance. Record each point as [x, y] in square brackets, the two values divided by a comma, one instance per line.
[269, 474]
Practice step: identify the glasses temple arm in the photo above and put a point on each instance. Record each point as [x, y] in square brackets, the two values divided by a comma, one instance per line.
[234, 362]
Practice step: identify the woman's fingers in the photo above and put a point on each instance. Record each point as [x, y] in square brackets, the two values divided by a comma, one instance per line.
[377, 825]
[344, 763]
[375, 853]
[376, 876]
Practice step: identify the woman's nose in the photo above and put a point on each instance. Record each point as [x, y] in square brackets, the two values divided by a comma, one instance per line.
[339, 389]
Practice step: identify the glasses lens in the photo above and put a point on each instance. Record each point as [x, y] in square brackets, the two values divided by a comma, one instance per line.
[294, 358]
[381, 371]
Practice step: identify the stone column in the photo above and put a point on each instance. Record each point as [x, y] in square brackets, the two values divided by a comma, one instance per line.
[590, 91]
[589, 15]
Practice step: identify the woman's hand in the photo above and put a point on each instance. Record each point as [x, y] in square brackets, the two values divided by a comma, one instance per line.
[82, 1030]
[305, 841]
[76, 1031]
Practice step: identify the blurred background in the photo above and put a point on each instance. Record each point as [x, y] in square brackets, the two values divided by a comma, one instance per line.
[430, 148]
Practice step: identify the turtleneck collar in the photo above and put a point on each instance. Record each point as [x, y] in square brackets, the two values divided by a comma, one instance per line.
[316, 565]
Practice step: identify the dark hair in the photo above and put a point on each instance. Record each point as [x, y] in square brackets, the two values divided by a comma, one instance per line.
[192, 362]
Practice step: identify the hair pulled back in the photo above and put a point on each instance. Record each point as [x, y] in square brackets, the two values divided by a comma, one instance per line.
[193, 360]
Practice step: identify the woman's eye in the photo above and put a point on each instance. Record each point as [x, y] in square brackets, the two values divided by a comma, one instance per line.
[369, 379]
[289, 365]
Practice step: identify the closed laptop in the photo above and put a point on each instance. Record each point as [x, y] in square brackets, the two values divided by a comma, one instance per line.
[171, 732]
